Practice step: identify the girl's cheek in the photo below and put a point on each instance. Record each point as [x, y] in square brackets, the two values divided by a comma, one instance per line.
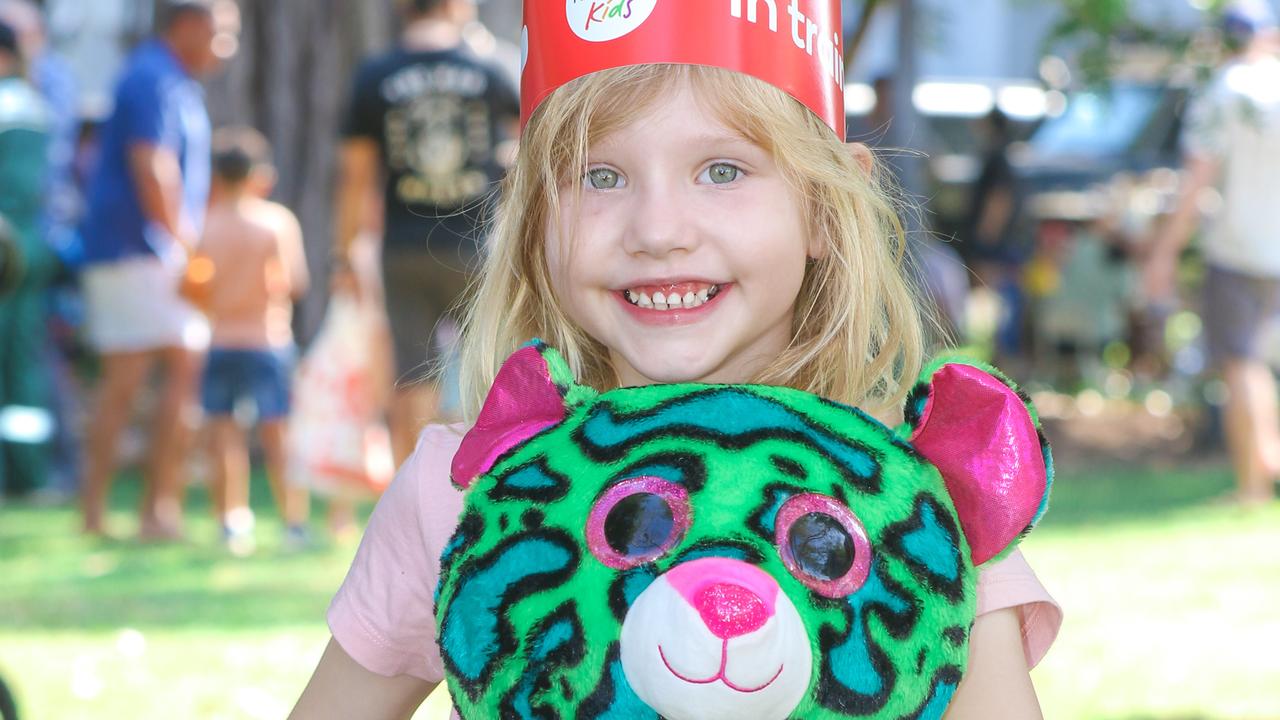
[555, 260]
[558, 252]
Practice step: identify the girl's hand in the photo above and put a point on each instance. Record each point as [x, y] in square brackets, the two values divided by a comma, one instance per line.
[997, 685]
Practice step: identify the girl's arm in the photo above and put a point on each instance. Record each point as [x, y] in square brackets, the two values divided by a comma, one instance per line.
[997, 683]
[341, 688]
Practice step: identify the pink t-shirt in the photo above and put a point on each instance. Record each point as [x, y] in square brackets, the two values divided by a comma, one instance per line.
[383, 616]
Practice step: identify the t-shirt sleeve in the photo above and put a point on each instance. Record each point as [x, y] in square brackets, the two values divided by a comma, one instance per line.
[365, 111]
[1205, 132]
[1011, 583]
[505, 96]
[383, 615]
[147, 113]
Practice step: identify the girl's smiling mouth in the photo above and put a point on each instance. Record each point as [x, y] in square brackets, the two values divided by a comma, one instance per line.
[675, 303]
[672, 296]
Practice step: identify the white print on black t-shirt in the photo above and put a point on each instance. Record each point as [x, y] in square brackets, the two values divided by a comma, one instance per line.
[438, 134]
[415, 80]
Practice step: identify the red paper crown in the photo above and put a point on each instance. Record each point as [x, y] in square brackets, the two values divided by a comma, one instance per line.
[794, 45]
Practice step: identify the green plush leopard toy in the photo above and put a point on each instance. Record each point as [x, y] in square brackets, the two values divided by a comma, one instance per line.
[726, 552]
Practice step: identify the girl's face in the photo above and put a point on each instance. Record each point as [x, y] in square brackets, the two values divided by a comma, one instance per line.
[685, 250]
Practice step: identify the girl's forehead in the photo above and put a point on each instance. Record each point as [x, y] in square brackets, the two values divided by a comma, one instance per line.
[678, 117]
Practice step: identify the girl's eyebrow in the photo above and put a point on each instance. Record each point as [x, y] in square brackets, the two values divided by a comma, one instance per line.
[700, 142]
[727, 138]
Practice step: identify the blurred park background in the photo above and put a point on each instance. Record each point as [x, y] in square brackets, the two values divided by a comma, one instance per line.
[1171, 591]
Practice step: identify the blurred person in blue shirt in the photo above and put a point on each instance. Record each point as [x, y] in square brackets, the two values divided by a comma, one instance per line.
[146, 209]
[25, 424]
[1231, 141]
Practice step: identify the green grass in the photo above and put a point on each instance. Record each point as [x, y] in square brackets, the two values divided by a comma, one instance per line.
[1173, 609]
[1172, 602]
[119, 629]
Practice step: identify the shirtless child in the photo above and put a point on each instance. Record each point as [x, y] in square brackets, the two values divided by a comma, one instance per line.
[258, 270]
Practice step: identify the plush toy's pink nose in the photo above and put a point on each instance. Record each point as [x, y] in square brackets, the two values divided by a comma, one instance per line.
[732, 597]
[730, 610]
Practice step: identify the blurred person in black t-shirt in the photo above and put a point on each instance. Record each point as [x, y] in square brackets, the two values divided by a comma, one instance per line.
[429, 120]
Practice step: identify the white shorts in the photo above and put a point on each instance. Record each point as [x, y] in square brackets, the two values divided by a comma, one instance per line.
[133, 305]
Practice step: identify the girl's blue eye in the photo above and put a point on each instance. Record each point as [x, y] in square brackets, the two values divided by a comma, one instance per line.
[604, 179]
[721, 174]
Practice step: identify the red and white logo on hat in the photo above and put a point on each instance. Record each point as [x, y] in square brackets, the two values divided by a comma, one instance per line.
[605, 20]
[794, 45]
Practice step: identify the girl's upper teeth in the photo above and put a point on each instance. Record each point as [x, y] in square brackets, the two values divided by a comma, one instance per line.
[684, 296]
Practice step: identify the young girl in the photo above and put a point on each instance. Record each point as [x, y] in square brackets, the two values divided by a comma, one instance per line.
[668, 223]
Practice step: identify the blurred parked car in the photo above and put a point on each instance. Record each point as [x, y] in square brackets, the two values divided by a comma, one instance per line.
[1125, 128]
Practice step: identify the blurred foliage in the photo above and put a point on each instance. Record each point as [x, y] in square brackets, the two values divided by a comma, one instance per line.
[1098, 36]
[1098, 32]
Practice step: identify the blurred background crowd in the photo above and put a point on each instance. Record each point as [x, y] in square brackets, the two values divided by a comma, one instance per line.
[275, 160]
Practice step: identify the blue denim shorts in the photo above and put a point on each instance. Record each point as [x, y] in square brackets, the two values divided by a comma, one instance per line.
[263, 376]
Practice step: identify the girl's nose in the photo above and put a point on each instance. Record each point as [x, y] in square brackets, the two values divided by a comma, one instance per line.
[659, 223]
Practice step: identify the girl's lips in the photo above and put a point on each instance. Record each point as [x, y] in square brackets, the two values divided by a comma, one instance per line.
[666, 318]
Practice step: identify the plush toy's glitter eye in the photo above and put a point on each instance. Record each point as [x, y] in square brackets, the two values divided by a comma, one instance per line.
[821, 546]
[637, 521]
[639, 524]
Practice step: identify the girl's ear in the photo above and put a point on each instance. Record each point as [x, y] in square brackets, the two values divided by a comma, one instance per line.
[818, 246]
[861, 154]
[984, 437]
[534, 390]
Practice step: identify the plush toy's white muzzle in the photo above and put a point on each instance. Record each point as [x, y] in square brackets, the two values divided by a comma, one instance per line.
[716, 639]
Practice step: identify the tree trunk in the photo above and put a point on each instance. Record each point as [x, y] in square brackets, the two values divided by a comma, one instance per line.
[291, 80]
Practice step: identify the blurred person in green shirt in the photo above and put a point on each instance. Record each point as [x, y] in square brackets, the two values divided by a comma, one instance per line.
[25, 421]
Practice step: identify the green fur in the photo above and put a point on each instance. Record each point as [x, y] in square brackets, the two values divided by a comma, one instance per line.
[731, 514]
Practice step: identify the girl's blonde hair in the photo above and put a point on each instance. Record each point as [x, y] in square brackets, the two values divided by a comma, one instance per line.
[857, 334]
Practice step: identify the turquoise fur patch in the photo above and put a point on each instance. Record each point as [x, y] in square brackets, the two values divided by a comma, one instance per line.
[933, 546]
[737, 415]
[470, 638]
[529, 478]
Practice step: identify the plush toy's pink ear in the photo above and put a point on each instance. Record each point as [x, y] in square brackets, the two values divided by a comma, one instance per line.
[982, 437]
[526, 398]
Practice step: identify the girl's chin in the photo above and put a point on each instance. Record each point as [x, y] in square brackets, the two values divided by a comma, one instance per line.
[649, 372]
